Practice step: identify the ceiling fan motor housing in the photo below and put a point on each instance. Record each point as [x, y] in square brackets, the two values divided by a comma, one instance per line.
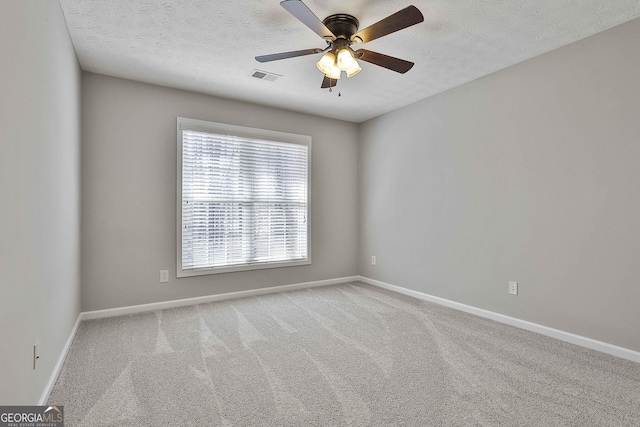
[343, 26]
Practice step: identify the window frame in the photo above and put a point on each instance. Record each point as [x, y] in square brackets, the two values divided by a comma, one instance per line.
[239, 131]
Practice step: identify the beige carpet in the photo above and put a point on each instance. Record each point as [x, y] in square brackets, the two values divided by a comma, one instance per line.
[345, 355]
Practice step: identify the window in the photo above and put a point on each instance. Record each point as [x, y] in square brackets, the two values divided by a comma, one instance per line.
[243, 198]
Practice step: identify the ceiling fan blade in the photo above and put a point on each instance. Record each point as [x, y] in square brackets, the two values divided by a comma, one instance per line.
[328, 82]
[395, 64]
[404, 18]
[285, 55]
[304, 14]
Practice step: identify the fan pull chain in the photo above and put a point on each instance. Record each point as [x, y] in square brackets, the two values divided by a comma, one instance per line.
[331, 86]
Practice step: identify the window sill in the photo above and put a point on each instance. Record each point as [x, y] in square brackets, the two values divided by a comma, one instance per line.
[239, 268]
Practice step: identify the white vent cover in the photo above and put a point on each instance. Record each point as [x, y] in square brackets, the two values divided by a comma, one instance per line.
[265, 75]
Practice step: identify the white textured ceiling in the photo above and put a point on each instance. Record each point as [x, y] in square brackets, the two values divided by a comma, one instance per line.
[209, 46]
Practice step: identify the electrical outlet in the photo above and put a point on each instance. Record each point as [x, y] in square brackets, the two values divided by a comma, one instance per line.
[164, 276]
[513, 288]
[36, 354]
[373, 260]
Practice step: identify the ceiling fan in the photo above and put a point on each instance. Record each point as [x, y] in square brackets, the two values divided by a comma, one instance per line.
[340, 31]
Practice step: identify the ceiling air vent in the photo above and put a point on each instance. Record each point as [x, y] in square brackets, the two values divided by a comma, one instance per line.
[264, 75]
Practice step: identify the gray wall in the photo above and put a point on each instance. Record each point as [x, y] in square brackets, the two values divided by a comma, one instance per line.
[530, 174]
[129, 193]
[39, 194]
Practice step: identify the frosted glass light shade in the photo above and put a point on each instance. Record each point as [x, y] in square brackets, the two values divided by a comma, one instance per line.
[326, 63]
[353, 69]
[345, 59]
[334, 73]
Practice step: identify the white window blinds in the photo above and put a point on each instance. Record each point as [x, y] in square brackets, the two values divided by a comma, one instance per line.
[243, 198]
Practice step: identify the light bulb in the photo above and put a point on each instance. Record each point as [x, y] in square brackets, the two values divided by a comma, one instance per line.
[345, 59]
[326, 62]
[353, 69]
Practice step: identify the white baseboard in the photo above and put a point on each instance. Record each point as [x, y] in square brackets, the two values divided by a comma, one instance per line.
[603, 347]
[121, 311]
[56, 370]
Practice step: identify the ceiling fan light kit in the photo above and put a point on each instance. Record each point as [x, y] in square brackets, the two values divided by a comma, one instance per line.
[332, 66]
[340, 31]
